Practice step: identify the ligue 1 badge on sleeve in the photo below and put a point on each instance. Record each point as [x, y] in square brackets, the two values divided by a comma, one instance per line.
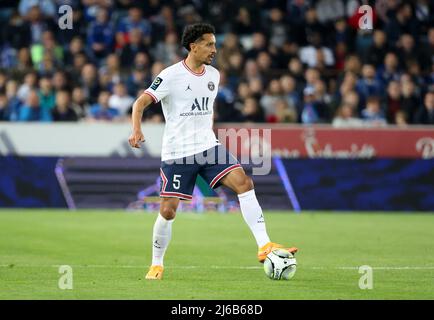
[211, 86]
[156, 83]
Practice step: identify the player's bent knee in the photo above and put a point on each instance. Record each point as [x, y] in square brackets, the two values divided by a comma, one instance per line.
[246, 185]
[167, 212]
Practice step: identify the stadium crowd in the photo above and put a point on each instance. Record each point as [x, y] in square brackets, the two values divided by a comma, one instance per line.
[281, 61]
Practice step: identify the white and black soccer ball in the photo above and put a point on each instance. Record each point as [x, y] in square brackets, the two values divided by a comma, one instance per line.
[280, 264]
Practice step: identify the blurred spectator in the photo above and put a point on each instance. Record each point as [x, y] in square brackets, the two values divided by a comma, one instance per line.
[4, 107]
[312, 76]
[340, 54]
[342, 33]
[251, 70]
[372, 114]
[425, 114]
[256, 88]
[252, 111]
[235, 67]
[393, 100]
[3, 81]
[100, 35]
[226, 98]
[225, 110]
[296, 70]
[14, 104]
[47, 7]
[309, 54]
[63, 110]
[352, 99]
[243, 24]
[156, 68]
[47, 46]
[76, 46]
[30, 83]
[313, 111]
[427, 51]
[390, 70]
[345, 118]
[79, 61]
[289, 91]
[17, 32]
[407, 51]
[401, 22]
[311, 26]
[243, 92]
[277, 27]
[369, 85]
[60, 81]
[142, 61]
[112, 68]
[46, 94]
[268, 100]
[229, 47]
[37, 24]
[79, 103]
[264, 62]
[102, 110]
[401, 119]
[259, 44]
[353, 64]
[348, 84]
[89, 82]
[377, 51]
[410, 98]
[135, 45]
[283, 113]
[120, 100]
[31, 110]
[296, 16]
[23, 64]
[329, 10]
[137, 80]
[134, 20]
[321, 94]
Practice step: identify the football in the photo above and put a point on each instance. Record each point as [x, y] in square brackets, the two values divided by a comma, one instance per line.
[280, 265]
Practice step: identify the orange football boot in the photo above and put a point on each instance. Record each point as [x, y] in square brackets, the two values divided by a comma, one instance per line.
[270, 246]
[155, 273]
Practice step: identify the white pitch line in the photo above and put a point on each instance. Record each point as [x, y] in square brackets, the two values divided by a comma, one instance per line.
[214, 267]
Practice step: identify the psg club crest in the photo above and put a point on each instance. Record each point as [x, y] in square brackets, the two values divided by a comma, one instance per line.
[211, 86]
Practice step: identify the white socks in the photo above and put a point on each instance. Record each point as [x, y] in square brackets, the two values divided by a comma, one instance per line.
[160, 239]
[252, 214]
[250, 209]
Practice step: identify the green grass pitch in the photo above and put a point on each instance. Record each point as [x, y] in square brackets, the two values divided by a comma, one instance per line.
[213, 256]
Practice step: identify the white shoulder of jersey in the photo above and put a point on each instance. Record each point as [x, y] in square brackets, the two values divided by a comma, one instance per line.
[171, 69]
[211, 69]
[159, 88]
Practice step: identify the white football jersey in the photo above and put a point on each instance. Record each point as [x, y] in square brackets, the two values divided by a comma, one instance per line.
[187, 99]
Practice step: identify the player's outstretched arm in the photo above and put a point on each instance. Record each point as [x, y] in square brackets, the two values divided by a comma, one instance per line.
[139, 106]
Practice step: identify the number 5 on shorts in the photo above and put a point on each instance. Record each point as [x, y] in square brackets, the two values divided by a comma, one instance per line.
[176, 182]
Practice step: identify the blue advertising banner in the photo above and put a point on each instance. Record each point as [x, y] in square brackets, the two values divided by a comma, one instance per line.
[29, 182]
[380, 184]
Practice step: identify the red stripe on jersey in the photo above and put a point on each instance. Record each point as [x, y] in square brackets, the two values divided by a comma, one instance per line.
[195, 73]
[163, 176]
[177, 195]
[152, 96]
[223, 173]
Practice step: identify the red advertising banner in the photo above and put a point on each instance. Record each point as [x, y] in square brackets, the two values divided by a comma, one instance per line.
[328, 142]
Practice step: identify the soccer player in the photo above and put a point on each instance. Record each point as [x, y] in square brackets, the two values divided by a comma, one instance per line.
[187, 91]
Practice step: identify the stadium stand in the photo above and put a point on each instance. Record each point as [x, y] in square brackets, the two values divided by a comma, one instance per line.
[293, 61]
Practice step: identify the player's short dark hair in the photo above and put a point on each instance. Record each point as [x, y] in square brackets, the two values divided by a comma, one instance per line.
[194, 32]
